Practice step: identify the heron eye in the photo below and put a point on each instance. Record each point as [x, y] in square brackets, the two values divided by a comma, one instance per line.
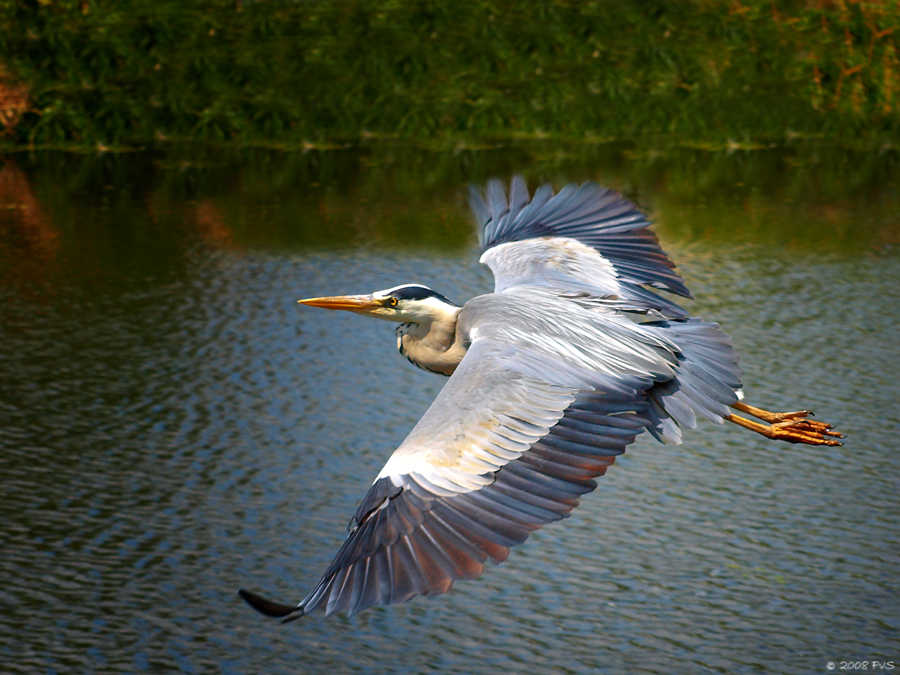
[394, 302]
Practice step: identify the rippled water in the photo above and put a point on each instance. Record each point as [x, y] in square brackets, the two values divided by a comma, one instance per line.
[174, 426]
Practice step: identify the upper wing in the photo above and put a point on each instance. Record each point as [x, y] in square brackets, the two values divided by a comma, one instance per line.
[583, 240]
[517, 434]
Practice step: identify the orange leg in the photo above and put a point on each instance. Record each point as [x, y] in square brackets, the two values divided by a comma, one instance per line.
[793, 427]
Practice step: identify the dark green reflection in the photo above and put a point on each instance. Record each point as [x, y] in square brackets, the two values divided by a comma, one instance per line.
[132, 217]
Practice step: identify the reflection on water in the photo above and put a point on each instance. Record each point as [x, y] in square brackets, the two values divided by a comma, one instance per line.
[174, 426]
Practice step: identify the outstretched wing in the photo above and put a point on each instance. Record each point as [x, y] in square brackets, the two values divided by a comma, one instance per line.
[584, 240]
[534, 412]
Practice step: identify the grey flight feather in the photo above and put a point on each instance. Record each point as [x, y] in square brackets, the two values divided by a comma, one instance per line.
[584, 238]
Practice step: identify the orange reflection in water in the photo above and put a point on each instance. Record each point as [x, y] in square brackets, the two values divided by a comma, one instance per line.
[210, 223]
[30, 232]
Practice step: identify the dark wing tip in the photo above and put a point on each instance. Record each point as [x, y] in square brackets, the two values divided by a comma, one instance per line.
[268, 607]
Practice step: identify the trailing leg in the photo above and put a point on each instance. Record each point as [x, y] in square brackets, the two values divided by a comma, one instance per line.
[793, 427]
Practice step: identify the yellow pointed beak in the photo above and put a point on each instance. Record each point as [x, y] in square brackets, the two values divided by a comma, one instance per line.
[352, 303]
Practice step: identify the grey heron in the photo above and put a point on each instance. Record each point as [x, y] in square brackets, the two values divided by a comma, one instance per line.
[551, 376]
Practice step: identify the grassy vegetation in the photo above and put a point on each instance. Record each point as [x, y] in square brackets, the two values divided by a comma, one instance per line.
[139, 72]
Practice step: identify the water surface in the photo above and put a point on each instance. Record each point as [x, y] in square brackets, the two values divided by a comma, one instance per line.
[174, 426]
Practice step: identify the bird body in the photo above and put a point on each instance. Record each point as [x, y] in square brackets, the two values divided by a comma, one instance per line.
[553, 375]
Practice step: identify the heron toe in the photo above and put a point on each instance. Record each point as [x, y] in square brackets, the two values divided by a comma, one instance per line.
[804, 431]
[793, 427]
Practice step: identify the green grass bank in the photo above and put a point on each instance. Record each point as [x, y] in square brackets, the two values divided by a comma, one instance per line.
[133, 73]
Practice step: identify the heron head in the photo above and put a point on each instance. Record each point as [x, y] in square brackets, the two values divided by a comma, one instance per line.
[409, 303]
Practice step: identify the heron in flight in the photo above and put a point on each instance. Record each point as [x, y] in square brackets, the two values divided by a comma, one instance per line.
[552, 376]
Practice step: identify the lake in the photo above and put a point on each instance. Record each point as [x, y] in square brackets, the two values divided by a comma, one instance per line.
[174, 426]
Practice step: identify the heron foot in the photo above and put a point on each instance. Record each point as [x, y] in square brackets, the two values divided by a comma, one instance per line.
[805, 431]
[792, 430]
[794, 427]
